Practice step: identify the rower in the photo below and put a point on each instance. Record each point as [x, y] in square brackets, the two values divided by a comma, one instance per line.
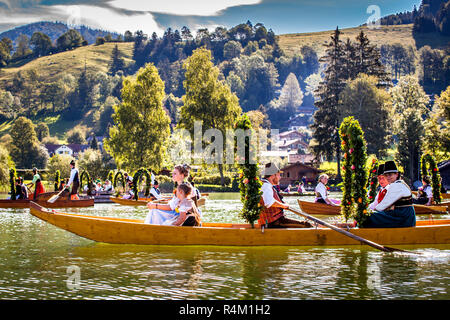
[37, 182]
[383, 183]
[272, 214]
[155, 193]
[396, 209]
[321, 192]
[74, 181]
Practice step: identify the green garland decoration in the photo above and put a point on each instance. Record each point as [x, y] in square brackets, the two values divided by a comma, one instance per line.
[249, 183]
[141, 172]
[12, 182]
[57, 180]
[372, 182]
[119, 177]
[355, 201]
[110, 176]
[428, 159]
[86, 175]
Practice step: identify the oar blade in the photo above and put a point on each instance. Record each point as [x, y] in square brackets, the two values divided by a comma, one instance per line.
[53, 198]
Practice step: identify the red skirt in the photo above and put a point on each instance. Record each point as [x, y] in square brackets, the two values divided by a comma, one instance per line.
[38, 189]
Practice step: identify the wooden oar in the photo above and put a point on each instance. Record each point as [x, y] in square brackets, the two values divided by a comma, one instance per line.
[55, 197]
[348, 234]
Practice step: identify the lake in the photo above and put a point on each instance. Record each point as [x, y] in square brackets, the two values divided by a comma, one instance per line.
[40, 261]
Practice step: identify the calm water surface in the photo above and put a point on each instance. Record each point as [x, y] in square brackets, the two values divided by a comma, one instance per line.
[39, 261]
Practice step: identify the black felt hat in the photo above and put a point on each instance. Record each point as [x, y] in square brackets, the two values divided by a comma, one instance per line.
[390, 167]
[72, 162]
[380, 169]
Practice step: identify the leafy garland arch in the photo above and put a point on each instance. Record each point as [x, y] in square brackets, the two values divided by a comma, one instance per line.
[372, 182]
[12, 181]
[249, 183]
[118, 177]
[57, 180]
[110, 176]
[148, 182]
[354, 200]
[88, 177]
[428, 163]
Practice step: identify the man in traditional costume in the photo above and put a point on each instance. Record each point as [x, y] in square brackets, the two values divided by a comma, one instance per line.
[155, 193]
[74, 181]
[396, 209]
[272, 214]
[383, 184]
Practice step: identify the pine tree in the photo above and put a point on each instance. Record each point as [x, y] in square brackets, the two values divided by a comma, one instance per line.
[368, 60]
[117, 63]
[326, 118]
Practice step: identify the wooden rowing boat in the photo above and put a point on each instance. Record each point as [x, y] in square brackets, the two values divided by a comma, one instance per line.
[143, 201]
[59, 203]
[327, 210]
[443, 195]
[133, 231]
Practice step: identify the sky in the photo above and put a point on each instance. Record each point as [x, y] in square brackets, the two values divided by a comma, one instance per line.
[282, 16]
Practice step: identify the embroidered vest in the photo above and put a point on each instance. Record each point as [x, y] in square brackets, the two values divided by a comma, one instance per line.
[271, 214]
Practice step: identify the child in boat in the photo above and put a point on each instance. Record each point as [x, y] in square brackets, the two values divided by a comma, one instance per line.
[180, 211]
[321, 192]
[425, 193]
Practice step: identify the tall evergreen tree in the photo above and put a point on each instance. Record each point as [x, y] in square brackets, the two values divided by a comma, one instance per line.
[368, 60]
[117, 63]
[326, 119]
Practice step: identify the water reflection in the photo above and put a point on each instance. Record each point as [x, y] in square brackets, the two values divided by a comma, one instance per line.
[35, 257]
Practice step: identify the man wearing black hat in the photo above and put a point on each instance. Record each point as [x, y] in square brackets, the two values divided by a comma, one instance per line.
[272, 214]
[74, 181]
[396, 209]
[383, 184]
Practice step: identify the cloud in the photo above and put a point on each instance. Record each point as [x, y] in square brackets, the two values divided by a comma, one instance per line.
[182, 7]
[107, 19]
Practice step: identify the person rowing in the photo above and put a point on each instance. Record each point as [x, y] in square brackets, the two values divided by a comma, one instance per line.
[396, 209]
[37, 182]
[272, 213]
[383, 184]
[74, 182]
[321, 192]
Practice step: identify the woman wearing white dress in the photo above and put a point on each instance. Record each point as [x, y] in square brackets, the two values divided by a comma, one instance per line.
[322, 192]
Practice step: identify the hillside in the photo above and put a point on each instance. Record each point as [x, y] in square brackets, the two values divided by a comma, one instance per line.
[54, 30]
[51, 67]
[403, 34]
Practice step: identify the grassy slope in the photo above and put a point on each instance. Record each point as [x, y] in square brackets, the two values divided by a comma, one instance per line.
[50, 68]
[292, 43]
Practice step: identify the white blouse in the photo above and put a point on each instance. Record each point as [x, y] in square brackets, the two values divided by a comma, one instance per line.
[322, 189]
[396, 190]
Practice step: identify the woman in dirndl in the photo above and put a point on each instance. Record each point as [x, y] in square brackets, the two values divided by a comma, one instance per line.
[37, 183]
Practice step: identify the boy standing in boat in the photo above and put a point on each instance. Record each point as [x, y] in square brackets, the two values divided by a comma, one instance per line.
[272, 214]
[74, 181]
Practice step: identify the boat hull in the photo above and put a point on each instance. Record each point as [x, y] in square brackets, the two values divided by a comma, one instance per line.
[444, 196]
[129, 231]
[328, 210]
[294, 194]
[60, 203]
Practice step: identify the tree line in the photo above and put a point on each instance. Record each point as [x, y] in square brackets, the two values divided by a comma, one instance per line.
[357, 83]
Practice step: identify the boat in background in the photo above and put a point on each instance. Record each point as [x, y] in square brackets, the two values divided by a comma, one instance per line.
[328, 210]
[136, 232]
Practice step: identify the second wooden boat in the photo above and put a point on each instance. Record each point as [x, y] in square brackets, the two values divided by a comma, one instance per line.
[327, 210]
[295, 194]
[60, 203]
[443, 195]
